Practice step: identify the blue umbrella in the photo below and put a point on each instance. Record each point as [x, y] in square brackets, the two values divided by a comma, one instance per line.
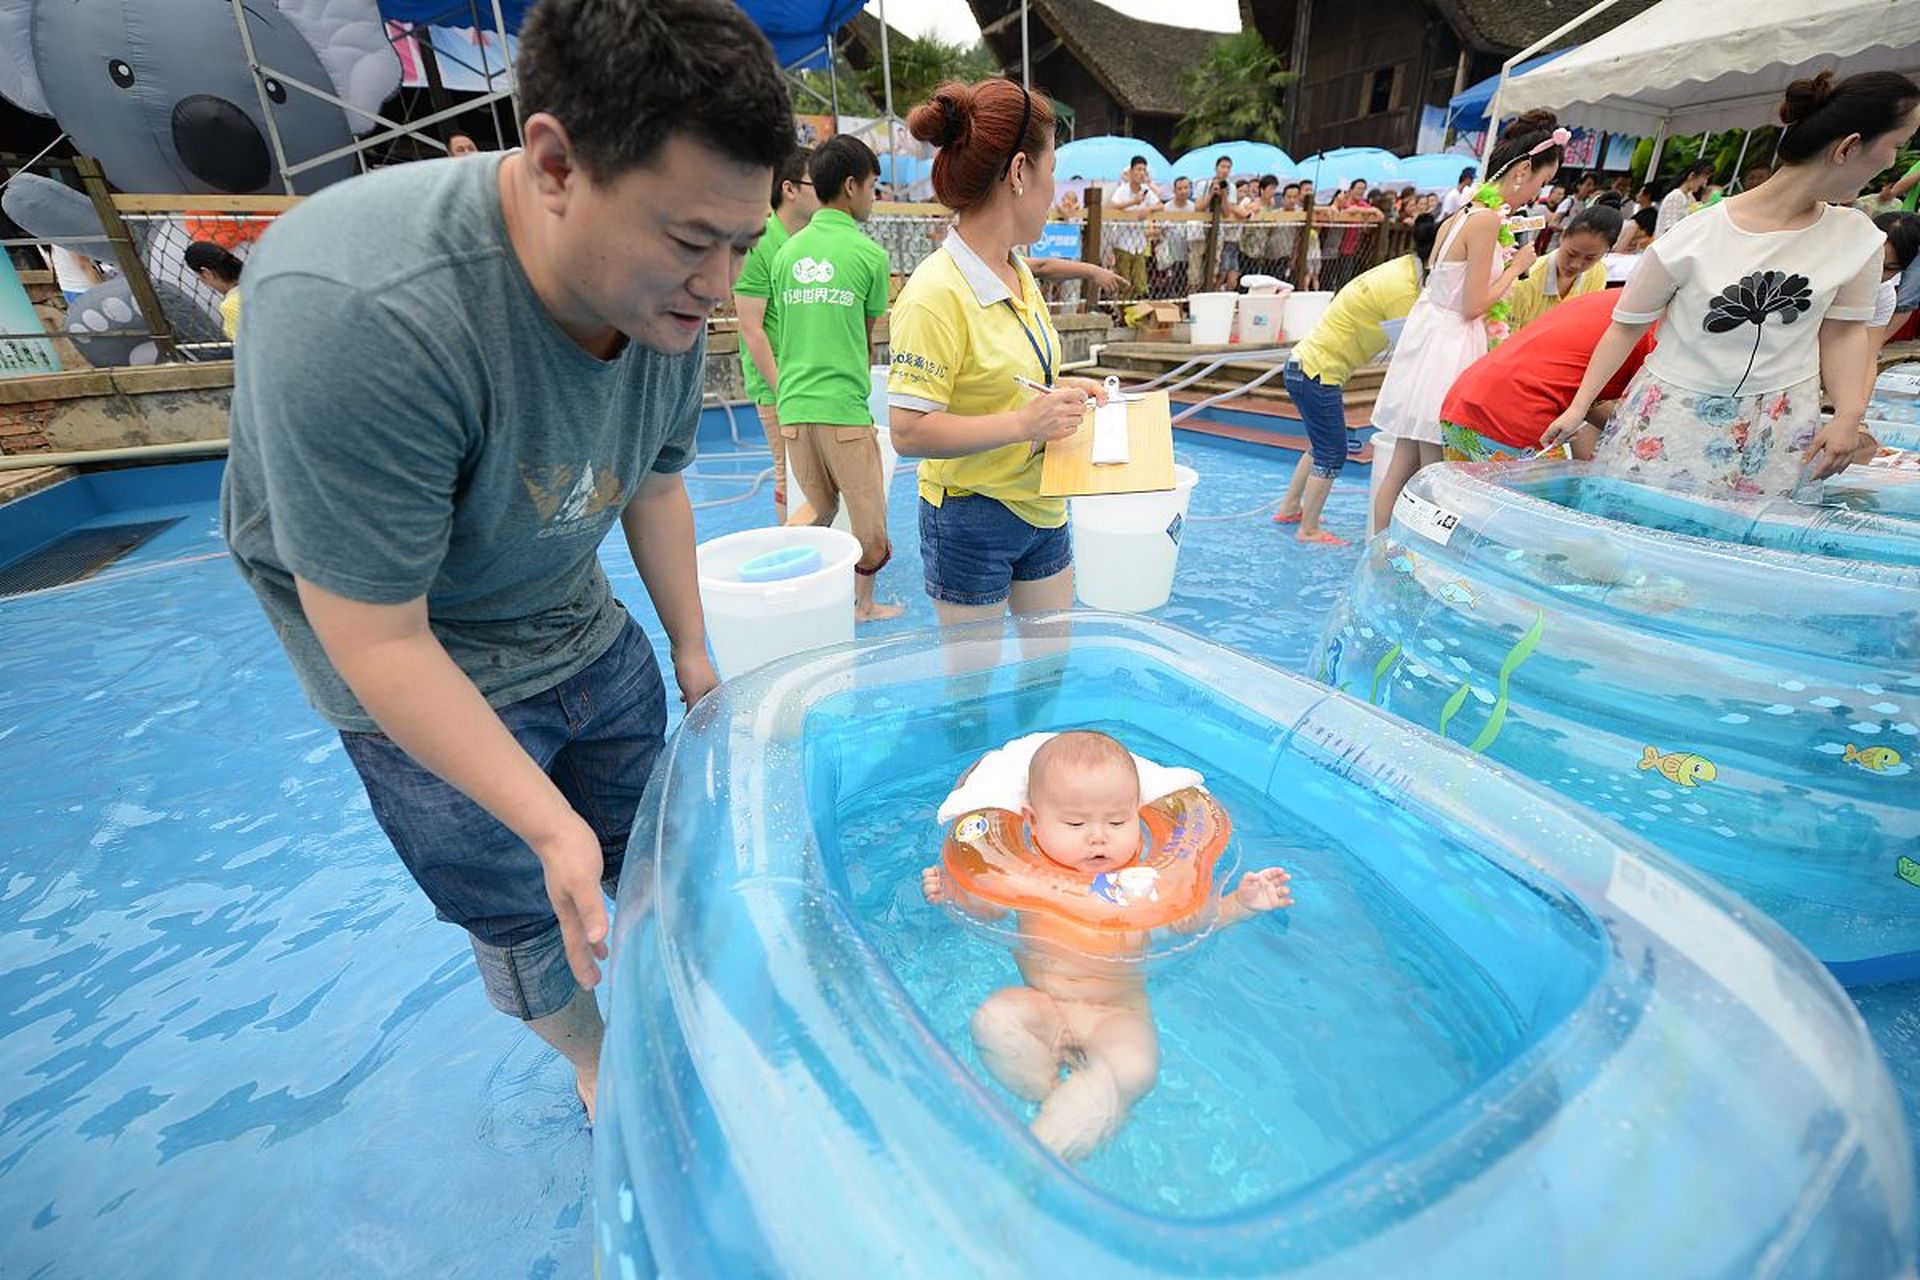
[1250, 160]
[1436, 171]
[1343, 165]
[902, 172]
[1104, 159]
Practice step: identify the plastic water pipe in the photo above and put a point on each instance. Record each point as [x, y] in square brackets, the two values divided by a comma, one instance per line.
[128, 453]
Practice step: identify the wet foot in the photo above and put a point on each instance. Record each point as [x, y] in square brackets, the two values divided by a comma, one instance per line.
[1322, 537]
[877, 612]
[1282, 517]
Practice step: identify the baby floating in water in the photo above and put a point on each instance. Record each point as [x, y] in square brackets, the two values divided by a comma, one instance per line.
[1084, 1006]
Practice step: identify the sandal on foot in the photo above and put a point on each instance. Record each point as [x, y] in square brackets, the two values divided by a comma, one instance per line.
[1292, 519]
[1326, 538]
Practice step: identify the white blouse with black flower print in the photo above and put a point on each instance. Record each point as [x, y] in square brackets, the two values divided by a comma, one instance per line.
[1741, 310]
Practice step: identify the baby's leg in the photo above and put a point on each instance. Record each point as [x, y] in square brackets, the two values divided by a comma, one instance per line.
[1120, 1052]
[1018, 1032]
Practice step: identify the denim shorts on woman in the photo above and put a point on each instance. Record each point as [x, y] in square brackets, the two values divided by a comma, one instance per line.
[596, 734]
[974, 549]
[1323, 411]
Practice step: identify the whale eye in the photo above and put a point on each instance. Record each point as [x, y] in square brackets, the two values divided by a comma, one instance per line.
[120, 72]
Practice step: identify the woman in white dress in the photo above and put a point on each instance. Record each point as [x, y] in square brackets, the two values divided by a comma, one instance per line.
[1763, 297]
[1447, 329]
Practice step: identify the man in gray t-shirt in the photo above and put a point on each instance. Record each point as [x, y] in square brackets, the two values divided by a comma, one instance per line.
[457, 376]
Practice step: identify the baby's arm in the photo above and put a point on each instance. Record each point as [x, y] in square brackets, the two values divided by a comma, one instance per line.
[933, 883]
[1258, 893]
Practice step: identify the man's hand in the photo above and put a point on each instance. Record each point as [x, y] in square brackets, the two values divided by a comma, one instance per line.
[1101, 278]
[573, 865]
[1264, 890]
[693, 672]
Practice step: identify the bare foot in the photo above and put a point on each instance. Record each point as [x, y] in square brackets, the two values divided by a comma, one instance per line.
[588, 1091]
[877, 612]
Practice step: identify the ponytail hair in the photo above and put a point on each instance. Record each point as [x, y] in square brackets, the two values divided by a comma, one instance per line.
[1518, 140]
[979, 128]
[1819, 112]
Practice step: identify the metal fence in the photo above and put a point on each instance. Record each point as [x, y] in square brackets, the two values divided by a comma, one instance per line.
[192, 308]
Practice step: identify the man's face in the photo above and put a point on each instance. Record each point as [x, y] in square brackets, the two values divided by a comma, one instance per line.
[1182, 190]
[653, 251]
[801, 198]
[1222, 169]
[1137, 175]
[461, 145]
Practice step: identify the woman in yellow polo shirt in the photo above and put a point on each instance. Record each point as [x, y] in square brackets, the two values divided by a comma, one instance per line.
[968, 326]
[1573, 268]
[1350, 332]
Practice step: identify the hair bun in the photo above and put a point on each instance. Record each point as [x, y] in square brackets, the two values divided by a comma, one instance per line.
[946, 119]
[1804, 97]
[1538, 120]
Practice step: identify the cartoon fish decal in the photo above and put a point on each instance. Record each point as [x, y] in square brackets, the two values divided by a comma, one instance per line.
[1402, 563]
[1872, 759]
[1457, 592]
[1682, 768]
[1909, 870]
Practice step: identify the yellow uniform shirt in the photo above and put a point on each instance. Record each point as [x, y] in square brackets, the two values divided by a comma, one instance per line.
[1349, 333]
[230, 314]
[958, 336]
[1537, 292]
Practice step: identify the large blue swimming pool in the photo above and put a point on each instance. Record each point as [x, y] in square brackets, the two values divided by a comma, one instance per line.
[234, 1036]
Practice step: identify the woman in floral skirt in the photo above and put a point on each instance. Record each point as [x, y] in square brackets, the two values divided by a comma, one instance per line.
[1763, 298]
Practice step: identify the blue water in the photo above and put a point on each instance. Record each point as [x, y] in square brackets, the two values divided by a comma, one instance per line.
[232, 1035]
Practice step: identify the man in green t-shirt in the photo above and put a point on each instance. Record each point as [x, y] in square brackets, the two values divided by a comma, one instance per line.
[793, 206]
[830, 285]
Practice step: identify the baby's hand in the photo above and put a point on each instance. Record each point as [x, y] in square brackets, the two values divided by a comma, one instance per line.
[1264, 890]
[933, 884]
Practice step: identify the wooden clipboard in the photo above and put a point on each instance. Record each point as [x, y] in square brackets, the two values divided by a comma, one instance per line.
[1067, 470]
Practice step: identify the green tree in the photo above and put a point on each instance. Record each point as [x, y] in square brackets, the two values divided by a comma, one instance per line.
[922, 64]
[1238, 92]
[816, 92]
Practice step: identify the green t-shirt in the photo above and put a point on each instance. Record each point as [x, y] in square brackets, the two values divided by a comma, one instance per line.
[1912, 197]
[756, 281]
[831, 280]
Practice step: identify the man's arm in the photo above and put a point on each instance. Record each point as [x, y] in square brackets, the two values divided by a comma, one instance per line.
[402, 675]
[658, 524]
[753, 336]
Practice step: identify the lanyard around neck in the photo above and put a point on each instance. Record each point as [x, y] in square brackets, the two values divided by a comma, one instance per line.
[1044, 357]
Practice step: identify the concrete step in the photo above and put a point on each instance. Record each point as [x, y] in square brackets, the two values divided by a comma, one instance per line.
[1202, 426]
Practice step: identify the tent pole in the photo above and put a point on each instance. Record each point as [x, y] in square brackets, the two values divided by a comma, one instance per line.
[1733, 179]
[833, 78]
[260, 88]
[1026, 66]
[1659, 142]
[506, 52]
[1506, 74]
[886, 82]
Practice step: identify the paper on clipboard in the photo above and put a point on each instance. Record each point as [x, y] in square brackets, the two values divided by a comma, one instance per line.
[1070, 468]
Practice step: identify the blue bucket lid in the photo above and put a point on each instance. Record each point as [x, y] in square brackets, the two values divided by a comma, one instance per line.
[777, 566]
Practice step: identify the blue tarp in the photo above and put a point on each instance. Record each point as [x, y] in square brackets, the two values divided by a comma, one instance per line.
[797, 28]
[1472, 102]
[455, 13]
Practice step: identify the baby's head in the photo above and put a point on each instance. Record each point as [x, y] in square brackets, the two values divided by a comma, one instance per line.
[1083, 802]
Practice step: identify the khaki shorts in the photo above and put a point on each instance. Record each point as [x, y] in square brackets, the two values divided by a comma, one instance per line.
[830, 463]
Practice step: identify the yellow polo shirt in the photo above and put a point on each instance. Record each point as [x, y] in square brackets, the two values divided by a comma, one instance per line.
[958, 336]
[1348, 333]
[1537, 292]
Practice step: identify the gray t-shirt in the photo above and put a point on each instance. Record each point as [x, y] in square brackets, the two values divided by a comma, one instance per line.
[409, 421]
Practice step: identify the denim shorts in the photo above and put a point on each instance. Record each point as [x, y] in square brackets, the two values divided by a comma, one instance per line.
[596, 734]
[974, 549]
[1323, 410]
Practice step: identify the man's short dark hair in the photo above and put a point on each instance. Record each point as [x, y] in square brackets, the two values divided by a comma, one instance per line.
[839, 160]
[792, 169]
[1269, 181]
[1136, 160]
[622, 75]
[1468, 175]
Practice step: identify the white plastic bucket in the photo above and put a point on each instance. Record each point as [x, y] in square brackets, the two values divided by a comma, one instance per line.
[877, 406]
[1126, 545]
[1213, 317]
[1303, 312]
[1260, 319]
[752, 623]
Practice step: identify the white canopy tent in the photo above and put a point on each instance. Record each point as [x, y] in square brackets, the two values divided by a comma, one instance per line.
[1688, 66]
